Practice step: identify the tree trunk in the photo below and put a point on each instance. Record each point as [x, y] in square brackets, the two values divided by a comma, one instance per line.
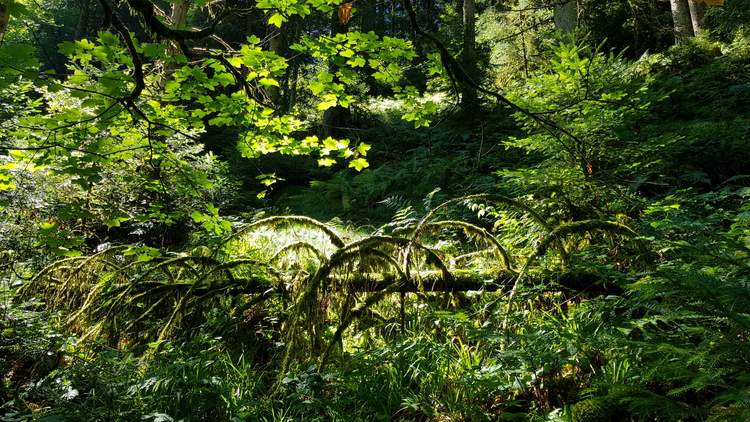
[566, 16]
[275, 44]
[683, 26]
[430, 14]
[380, 15]
[470, 33]
[289, 95]
[697, 11]
[335, 117]
[83, 20]
[369, 13]
[468, 56]
[393, 18]
[179, 13]
[4, 17]
[179, 20]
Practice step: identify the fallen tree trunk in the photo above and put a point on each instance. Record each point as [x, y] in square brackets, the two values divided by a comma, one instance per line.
[433, 281]
[464, 281]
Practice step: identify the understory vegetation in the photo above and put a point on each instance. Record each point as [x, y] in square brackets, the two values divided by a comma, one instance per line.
[411, 211]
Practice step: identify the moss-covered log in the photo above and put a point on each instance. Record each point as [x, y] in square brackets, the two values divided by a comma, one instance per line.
[463, 281]
[433, 281]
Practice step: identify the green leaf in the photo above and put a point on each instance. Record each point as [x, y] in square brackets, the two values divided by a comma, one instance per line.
[144, 253]
[326, 162]
[115, 222]
[363, 148]
[359, 164]
[198, 216]
[269, 82]
[276, 20]
[329, 100]
[47, 226]
[357, 62]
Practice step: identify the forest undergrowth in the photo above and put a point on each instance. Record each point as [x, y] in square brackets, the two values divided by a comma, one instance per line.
[584, 259]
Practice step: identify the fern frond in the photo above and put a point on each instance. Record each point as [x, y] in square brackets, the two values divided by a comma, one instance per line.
[478, 232]
[293, 220]
[579, 227]
[298, 247]
[499, 199]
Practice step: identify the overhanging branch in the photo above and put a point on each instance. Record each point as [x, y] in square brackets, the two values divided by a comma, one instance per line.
[458, 74]
[147, 10]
